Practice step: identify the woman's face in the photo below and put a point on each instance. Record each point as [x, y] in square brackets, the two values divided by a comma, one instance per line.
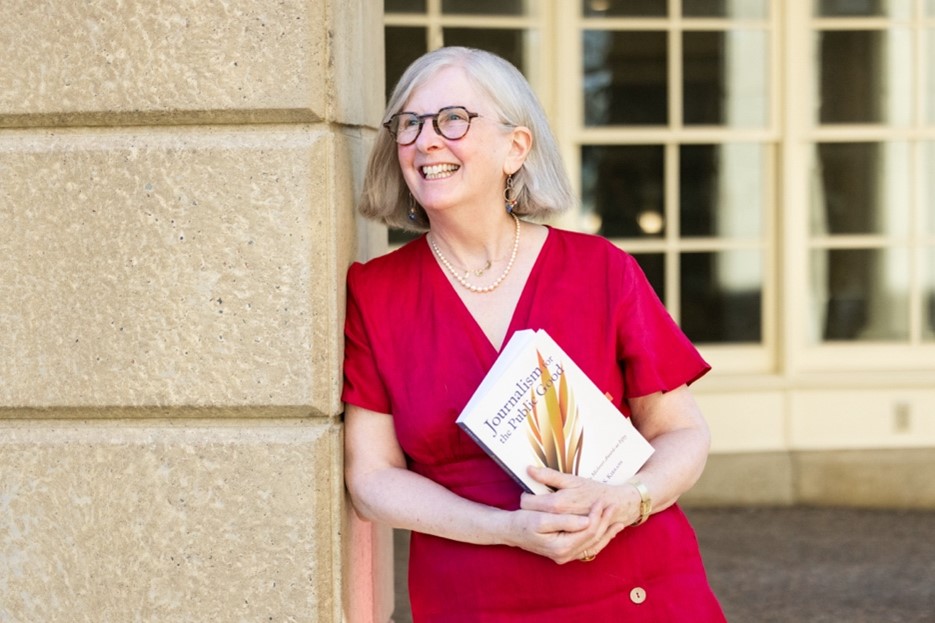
[468, 173]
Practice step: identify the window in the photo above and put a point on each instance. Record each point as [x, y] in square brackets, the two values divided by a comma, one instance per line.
[673, 133]
[866, 125]
[768, 163]
[509, 28]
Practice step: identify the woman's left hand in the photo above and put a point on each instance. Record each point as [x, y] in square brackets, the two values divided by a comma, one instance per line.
[580, 496]
[573, 495]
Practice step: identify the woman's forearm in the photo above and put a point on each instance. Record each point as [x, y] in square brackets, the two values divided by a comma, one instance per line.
[675, 465]
[403, 499]
[674, 425]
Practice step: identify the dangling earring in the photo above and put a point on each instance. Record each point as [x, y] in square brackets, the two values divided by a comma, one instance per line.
[509, 200]
[412, 209]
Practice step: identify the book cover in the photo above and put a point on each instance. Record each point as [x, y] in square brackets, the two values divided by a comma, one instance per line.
[536, 407]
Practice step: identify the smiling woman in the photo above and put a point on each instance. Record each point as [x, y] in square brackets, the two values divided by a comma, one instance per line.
[512, 104]
[426, 323]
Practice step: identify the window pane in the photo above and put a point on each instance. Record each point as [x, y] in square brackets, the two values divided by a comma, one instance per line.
[483, 7]
[863, 8]
[725, 8]
[726, 78]
[861, 188]
[403, 45]
[865, 76]
[722, 190]
[861, 294]
[721, 296]
[625, 78]
[654, 265]
[624, 8]
[404, 6]
[506, 43]
[623, 187]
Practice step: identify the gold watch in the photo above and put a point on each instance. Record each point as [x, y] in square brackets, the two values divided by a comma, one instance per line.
[646, 502]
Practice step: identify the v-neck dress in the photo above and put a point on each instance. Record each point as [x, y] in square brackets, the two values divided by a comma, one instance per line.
[413, 350]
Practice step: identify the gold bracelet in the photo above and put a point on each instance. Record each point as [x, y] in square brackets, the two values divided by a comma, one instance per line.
[646, 502]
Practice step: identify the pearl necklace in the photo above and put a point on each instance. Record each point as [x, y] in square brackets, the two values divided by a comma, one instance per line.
[467, 284]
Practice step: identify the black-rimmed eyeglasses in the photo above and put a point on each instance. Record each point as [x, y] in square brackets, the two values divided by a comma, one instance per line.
[451, 122]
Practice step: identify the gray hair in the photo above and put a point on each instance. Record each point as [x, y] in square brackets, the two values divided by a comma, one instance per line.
[541, 185]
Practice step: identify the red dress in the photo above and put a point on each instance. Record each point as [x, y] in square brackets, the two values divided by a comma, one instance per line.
[413, 350]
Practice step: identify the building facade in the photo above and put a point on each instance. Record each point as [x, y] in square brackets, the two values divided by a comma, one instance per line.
[770, 165]
[177, 183]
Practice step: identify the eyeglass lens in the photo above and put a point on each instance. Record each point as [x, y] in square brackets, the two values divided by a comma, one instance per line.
[451, 123]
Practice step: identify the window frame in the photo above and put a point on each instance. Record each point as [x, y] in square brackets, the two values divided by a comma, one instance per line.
[784, 357]
[535, 21]
[910, 361]
[761, 358]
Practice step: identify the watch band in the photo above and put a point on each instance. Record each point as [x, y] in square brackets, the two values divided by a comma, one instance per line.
[646, 502]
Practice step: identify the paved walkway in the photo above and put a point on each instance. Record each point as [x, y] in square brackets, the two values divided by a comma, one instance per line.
[804, 565]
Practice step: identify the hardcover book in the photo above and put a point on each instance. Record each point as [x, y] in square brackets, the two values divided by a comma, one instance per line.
[536, 407]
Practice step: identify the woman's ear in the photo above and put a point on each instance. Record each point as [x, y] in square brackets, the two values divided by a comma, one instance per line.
[519, 149]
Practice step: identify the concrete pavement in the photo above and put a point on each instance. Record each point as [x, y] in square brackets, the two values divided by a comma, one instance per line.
[804, 565]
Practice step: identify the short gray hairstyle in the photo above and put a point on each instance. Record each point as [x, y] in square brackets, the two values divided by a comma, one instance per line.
[541, 186]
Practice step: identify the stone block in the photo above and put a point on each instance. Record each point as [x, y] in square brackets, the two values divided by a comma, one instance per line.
[157, 269]
[165, 61]
[358, 63]
[234, 521]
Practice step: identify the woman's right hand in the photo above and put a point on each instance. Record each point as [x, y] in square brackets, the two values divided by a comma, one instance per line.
[561, 537]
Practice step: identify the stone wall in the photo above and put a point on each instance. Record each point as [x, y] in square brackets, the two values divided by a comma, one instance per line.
[177, 181]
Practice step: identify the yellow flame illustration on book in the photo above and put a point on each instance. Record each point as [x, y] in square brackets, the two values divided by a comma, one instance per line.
[555, 431]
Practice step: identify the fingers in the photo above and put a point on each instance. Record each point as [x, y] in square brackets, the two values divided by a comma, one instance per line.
[574, 522]
[559, 537]
[551, 523]
[606, 531]
[592, 541]
[552, 477]
[566, 546]
[573, 494]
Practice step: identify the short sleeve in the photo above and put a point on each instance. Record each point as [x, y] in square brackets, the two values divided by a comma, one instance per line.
[363, 384]
[653, 351]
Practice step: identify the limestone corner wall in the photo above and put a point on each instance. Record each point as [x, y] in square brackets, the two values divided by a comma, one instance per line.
[177, 183]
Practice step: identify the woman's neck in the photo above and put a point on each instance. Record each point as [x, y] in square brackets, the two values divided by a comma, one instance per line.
[471, 242]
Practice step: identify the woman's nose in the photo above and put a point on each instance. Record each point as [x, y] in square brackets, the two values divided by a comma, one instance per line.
[428, 136]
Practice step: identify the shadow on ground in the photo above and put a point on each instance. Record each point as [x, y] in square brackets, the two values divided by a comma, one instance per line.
[803, 565]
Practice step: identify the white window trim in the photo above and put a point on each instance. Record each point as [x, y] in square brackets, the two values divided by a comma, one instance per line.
[911, 362]
[757, 359]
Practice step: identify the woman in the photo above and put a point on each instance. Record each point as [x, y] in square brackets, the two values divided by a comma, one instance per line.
[468, 150]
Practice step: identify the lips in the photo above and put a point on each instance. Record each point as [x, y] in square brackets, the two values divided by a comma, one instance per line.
[438, 171]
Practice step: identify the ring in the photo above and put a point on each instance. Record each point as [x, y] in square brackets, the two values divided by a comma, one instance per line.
[588, 557]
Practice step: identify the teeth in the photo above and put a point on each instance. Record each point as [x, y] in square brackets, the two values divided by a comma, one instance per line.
[436, 171]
